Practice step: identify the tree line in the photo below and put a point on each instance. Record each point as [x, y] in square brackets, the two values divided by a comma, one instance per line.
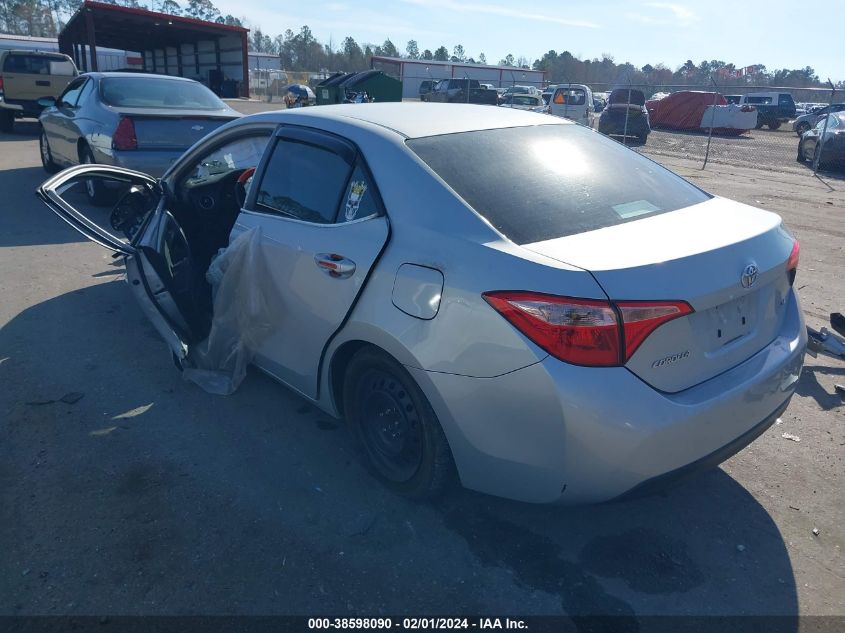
[301, 51]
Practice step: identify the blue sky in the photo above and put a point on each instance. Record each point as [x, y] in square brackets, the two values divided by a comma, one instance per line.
[776, 33]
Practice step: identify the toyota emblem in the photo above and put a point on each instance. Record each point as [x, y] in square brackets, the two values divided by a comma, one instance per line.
[749, 275]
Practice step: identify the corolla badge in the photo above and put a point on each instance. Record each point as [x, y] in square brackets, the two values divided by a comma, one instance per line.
[670, 360]
[749, 275]
[197, 128]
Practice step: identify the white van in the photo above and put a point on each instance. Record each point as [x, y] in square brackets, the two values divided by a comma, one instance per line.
[572, 101]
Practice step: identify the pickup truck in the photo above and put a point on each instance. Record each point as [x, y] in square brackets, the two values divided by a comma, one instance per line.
[455, 91]
[773, 108]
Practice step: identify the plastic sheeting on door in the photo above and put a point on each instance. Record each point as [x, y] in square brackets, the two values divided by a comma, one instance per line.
[246, 305]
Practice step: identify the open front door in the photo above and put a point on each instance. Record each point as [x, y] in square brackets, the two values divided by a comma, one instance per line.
[159, 266]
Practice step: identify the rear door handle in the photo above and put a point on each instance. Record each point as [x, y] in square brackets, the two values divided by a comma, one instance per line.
[334, 265]
[42, 83]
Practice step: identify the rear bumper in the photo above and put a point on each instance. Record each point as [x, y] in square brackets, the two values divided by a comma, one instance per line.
[152, 162]
[616, 125]
[553, 432]
[21, 107]
[707, 462]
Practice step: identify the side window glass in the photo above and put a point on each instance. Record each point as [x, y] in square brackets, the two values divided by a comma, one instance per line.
[360, 199]
[71, 94]
[303, 181]
[238, 155]
[87, 89]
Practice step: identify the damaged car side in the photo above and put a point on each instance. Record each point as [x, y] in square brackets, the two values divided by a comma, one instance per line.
[526, 327]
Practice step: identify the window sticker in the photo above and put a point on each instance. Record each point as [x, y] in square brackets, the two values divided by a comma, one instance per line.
[353, 202]
[633, 209]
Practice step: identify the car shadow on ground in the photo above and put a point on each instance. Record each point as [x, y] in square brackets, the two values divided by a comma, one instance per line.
[23, 130]
[26, 221]
[702, 547]
[191, 503]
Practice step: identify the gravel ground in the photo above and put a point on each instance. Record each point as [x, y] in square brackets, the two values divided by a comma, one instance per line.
[125, 490]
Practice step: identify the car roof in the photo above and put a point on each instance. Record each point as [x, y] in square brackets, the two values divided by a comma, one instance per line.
[102, 75]
[23, 51]
[416, 120]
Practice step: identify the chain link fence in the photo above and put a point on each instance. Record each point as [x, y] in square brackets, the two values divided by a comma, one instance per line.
[270, 84]
[751, 126]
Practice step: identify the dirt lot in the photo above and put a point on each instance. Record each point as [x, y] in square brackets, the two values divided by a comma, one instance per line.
[125, 490]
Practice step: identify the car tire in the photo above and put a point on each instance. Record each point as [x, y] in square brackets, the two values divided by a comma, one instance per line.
[396, 430]
[98, 195]
[759, 124]
[47, 161]
[7, 121]
[800, 157]
[801, 128]
[774, 125]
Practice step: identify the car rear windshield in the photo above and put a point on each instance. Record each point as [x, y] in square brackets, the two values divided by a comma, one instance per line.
[150, 92]
[38, 65]
[547, 181]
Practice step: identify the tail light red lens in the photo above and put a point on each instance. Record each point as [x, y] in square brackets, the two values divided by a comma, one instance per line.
[124, 136]
[792, 262]
[584, 331]
[1, 84]
[641, 318]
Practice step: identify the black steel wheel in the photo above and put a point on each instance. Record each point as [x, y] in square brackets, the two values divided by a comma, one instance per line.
[7, 121]
[395, 427]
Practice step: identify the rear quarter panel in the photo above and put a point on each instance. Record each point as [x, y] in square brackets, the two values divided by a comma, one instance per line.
[433, 228]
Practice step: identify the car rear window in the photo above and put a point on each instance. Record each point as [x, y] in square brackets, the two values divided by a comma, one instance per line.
[38, 65]
[150, 92]
[570, 96]
[547, 181]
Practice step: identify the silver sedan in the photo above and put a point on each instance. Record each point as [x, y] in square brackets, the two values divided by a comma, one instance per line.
[135, 120]
[575, 326]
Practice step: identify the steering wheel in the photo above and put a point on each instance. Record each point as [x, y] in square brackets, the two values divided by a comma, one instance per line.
[242, 185]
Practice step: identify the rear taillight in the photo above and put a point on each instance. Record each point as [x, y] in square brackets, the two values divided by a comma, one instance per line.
[585, 331]
[641, 318]
[124, 136]
[1, 86]
[792, 262]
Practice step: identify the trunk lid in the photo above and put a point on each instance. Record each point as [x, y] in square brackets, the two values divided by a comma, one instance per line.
[699, 255]
[174, 130]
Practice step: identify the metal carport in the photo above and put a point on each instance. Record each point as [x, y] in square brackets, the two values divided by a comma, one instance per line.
[214, 54]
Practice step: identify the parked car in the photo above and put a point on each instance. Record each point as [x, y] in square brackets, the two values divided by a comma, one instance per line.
[461, 91]
[135, 120]
[573, 101]
[832, 147]
[625, 115]
[524, 102]
[807, 121]
[773, 108]
[525, 325]
[425, 87]
[522, 90]
[26, 77]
